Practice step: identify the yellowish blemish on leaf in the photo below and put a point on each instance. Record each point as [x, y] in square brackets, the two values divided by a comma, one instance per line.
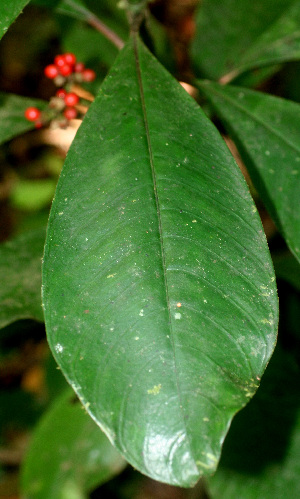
[155, 390]
[211, 457]
[207, 466]
[110, 275]
[267, 321]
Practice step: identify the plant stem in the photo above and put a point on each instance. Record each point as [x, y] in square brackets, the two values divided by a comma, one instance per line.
[106, 31]
[99, 25]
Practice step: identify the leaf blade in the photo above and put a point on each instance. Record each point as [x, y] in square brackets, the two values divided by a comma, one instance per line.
[12, 108]
[68, 453]
[267, 131]
[149, 226]
[233, 27]
[279, 43]
[20, 264]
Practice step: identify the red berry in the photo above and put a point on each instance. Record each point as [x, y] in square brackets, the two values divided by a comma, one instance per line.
[70, 58]
[79, 67]
[61, 93]
[60, 61]
[70, 113]
[66, 70]
[32, 113]
[88, 75]
[51, 71]
[38, 124]
[71, 99]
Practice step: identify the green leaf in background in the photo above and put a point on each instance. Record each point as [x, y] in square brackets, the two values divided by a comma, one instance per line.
[227, 30]
[9, 11]
[158, 289]
[69, 455]
[12, 108]
[280, 43]
[260, 458]
[20, 269]
[87, 11]
[267, 132]
[32, 194]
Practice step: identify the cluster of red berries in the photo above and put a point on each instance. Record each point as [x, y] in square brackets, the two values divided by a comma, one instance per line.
[64, 72]
[66, 65]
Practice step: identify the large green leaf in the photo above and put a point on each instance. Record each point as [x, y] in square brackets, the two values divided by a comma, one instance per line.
[227, 30]
[158, 290]
[20, 269]
[13, 121]
[9, 11]
[69, 455]
[261, 454]
[267, 131]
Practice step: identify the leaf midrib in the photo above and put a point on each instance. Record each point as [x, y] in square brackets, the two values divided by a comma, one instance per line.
[157, 202]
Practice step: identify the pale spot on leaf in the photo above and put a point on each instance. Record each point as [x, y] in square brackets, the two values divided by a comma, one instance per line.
[155, 390]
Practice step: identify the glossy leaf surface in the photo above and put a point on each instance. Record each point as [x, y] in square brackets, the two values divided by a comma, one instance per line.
[20, 268]
[227, 30]
[69, 454]
[267, 131]
[158, 290]
[9, 11]
[261, 453]
[12, 108]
